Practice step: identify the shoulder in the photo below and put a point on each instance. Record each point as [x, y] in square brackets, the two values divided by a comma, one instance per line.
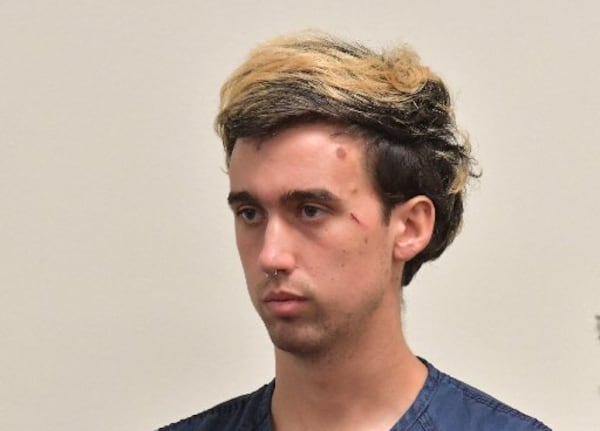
[247, 412]
[458, 405]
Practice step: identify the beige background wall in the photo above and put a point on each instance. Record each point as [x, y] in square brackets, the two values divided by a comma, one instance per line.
[122, 303]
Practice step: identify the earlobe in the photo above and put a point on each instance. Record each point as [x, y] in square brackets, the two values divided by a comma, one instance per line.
[414, 221]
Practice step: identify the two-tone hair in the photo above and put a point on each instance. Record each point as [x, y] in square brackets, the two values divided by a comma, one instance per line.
[400, 108]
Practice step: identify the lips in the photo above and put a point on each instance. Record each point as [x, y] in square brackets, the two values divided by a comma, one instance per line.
[284, 304]
[283, 296]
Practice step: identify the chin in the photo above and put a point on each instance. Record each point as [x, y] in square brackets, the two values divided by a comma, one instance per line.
[296, 344]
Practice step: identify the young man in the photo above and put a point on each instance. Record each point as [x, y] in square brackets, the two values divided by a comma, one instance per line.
[346, 173]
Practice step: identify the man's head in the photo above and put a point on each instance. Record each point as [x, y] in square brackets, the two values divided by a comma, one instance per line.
[398, 107]
[306, 209]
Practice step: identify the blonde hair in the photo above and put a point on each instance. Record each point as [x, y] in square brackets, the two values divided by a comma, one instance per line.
[399, 106]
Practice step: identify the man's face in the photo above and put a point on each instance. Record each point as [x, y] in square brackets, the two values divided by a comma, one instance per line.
[305, 206]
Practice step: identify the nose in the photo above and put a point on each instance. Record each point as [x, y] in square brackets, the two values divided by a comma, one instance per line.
[276, 253]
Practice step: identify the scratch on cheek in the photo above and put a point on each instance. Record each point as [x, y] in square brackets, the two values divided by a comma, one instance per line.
[356, 220]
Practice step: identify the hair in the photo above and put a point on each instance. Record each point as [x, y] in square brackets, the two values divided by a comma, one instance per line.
[398, 106]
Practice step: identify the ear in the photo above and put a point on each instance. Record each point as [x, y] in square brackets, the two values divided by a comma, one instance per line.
[413, 223]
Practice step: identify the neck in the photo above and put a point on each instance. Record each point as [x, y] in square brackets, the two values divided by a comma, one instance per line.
[366, 385]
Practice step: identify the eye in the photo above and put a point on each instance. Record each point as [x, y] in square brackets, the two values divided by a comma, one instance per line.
[249, 215]
[311, 211]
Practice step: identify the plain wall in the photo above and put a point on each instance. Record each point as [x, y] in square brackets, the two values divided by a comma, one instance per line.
[122, 301]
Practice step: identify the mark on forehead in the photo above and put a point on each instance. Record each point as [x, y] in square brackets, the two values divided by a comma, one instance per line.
[340, 153]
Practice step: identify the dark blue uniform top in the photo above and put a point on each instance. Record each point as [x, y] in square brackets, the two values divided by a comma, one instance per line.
[443, 404]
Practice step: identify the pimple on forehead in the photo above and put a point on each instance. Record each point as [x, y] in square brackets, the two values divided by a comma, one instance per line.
[340, 153]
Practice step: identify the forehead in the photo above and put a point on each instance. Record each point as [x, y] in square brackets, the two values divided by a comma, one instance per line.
[304, 156]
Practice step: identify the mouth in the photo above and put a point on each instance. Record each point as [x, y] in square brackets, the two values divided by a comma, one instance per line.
[284, 304]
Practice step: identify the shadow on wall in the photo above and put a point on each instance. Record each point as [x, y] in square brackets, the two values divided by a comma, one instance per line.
[598, 330]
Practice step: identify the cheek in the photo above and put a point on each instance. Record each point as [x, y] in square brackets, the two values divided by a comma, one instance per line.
[247, 250]
[365, 254]
[246, 239]
[345, 261]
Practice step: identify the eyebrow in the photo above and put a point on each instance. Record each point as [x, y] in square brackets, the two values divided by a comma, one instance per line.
[316, 195]
[241, 198]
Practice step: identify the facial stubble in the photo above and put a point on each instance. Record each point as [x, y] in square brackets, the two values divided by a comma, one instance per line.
[316, 334]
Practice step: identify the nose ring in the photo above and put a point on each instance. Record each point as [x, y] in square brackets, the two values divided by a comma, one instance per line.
[273, 274]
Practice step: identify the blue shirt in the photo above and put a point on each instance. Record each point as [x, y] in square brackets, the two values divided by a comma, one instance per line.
[443, 404]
